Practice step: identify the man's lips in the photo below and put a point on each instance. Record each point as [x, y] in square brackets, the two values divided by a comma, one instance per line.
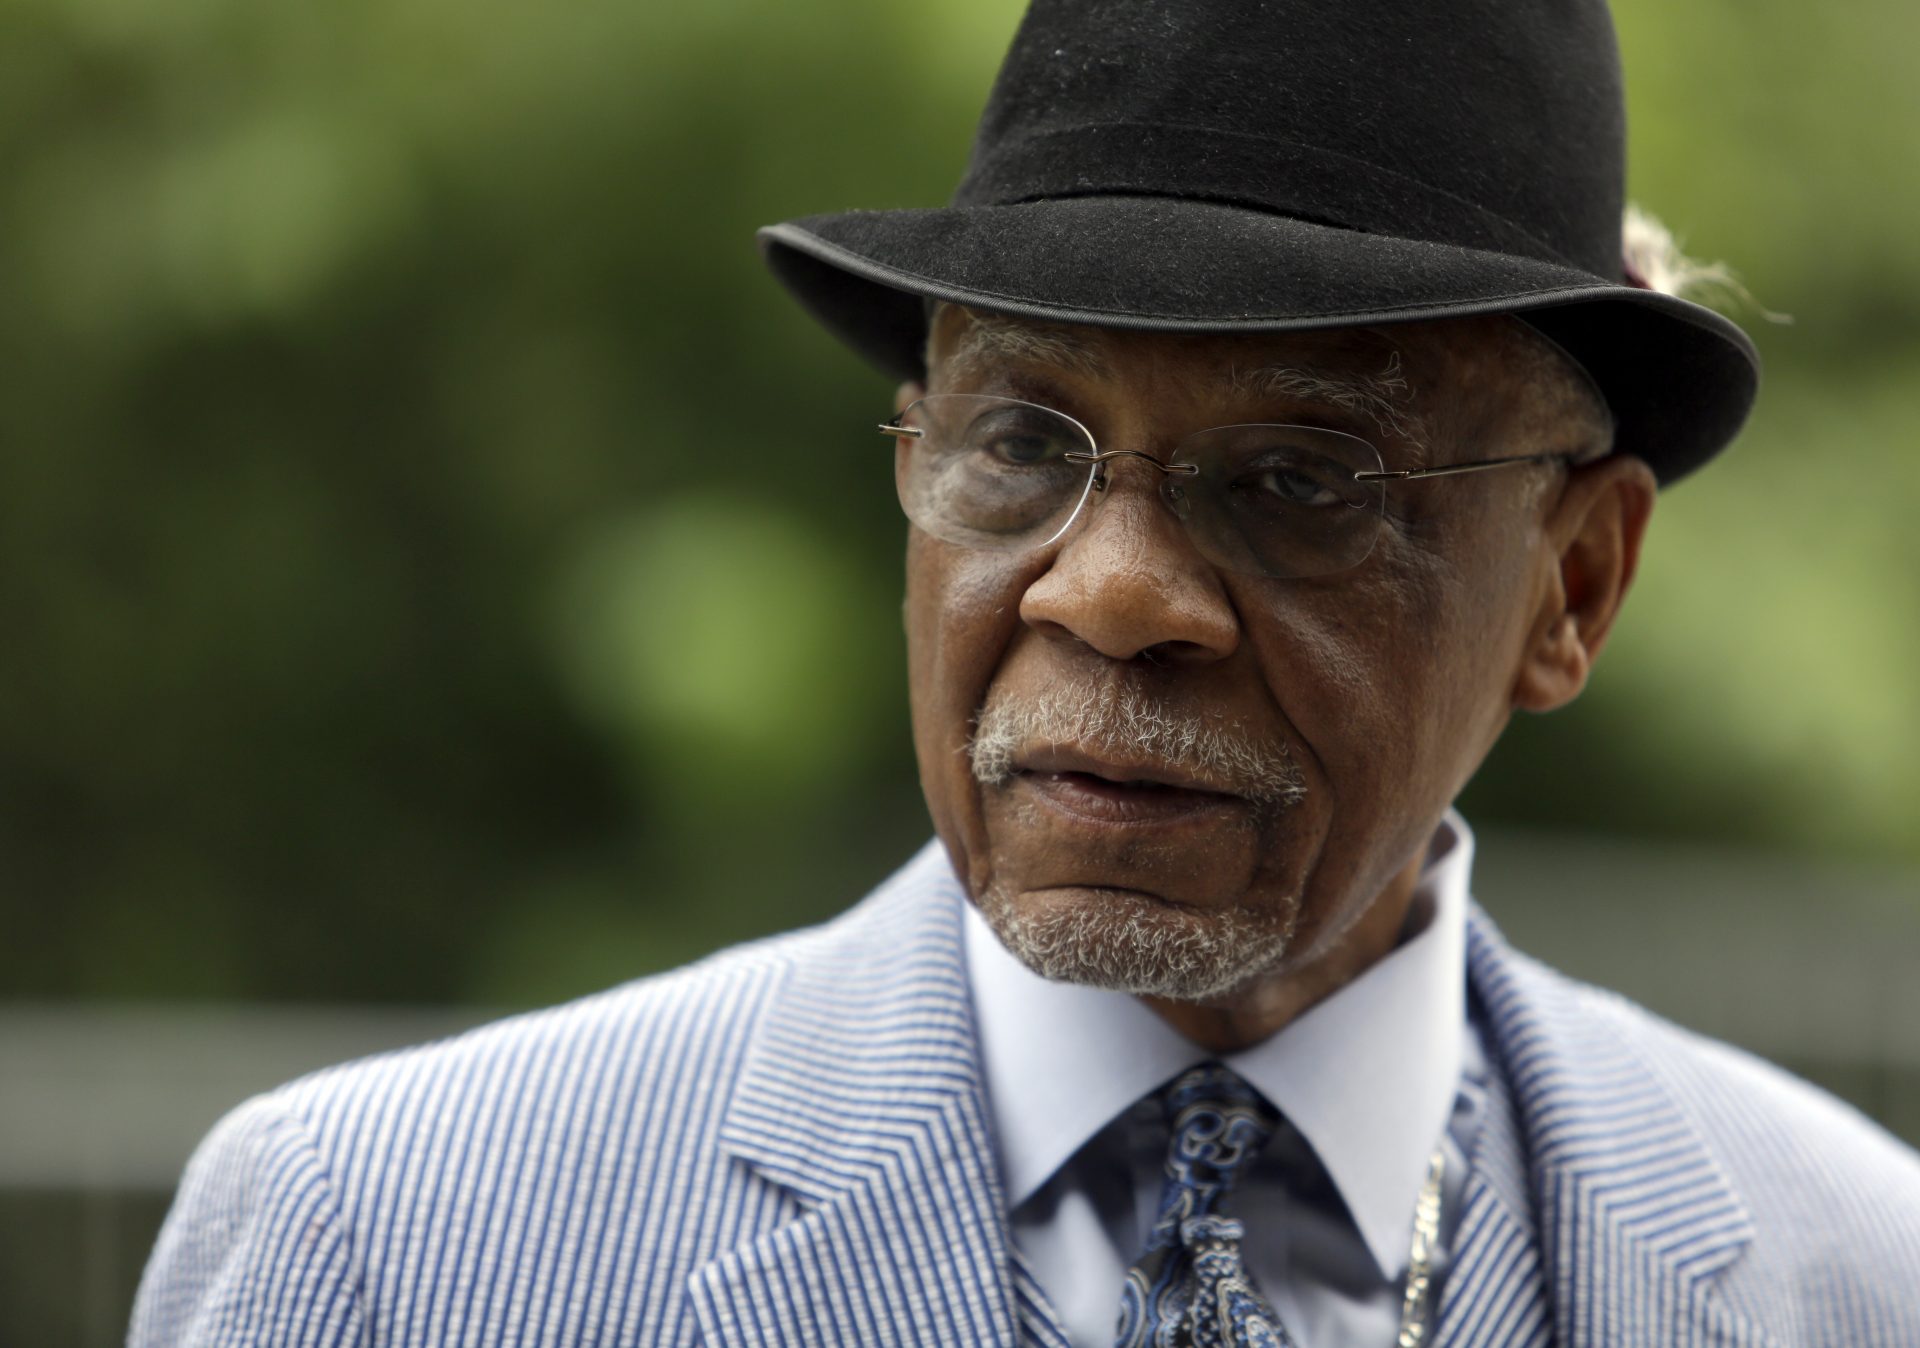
[1063, 760]
[1103, 791]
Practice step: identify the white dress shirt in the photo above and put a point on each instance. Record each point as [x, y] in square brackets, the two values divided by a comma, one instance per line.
[1373, 1079]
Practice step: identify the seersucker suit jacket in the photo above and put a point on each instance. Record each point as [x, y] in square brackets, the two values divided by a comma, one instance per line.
[788, 1144]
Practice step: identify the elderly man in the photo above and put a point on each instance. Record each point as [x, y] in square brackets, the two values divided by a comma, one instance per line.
[1278, 417]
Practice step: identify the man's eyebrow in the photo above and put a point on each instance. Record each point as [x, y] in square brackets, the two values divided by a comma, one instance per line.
[989, 340]
[992, 339]
[1383, 398]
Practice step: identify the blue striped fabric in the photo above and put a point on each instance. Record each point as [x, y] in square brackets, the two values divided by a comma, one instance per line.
[788, 1144]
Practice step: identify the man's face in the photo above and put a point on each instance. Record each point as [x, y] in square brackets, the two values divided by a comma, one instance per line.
[1191, 781]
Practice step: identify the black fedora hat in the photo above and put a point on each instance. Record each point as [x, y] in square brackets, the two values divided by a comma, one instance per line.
[1269, 165]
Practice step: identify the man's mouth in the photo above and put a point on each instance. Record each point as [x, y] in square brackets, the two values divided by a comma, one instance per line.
[1061, 760]
[1101, 791]
[1130, 740]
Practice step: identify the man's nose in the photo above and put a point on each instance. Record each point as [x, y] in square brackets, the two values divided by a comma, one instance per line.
[1127, 581]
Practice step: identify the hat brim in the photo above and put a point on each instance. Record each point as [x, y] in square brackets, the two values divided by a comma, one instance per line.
[1680, 378]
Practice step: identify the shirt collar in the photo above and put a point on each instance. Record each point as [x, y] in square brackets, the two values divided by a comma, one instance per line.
[1368, 1076]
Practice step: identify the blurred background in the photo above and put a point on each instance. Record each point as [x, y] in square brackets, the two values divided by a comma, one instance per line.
[440, 573]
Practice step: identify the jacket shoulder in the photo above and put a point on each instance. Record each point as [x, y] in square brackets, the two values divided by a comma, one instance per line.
[1756, 1108]
[699, 1008]
[433, 1193]
[1834, 1199]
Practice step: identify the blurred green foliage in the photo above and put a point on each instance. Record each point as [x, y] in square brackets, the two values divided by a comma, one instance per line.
[436, 562]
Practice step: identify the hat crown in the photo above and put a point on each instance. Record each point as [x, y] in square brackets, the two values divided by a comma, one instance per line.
[1481, 123]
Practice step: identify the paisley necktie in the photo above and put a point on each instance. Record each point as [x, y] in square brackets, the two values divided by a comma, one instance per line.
[1190, 1289]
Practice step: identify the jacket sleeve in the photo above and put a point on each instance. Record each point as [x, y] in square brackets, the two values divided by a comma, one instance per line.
[254, 1251]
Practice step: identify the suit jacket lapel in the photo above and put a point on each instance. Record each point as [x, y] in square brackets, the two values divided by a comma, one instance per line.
[862, 1098]
[1496, 1292]
[1039, 1323]
[1633, 1214]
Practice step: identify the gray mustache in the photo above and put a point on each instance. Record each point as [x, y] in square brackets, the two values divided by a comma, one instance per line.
[1123, 723]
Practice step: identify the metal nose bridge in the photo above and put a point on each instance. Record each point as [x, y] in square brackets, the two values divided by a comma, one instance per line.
[1097, 481]
[1170, 469]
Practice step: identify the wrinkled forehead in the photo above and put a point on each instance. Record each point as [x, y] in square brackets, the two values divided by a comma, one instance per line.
[1361, 371]
[1421, 382]
[963, 340]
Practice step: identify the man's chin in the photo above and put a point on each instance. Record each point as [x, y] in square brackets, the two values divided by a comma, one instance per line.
[1126, 940]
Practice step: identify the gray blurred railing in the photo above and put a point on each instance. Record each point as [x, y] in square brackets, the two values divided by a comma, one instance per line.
[1815, 966]
[100, 1107]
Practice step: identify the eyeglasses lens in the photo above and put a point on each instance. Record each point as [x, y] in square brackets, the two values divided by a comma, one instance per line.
[990, 472]
[1282, 501]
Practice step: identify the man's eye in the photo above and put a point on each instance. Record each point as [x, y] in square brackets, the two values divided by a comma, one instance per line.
[1284, 485]
[1022, 449]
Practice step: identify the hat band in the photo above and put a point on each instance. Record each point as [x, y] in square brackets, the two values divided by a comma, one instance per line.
[1283, 177]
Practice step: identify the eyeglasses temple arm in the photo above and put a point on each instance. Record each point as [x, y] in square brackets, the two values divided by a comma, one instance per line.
[1454, 469]
[894, 428]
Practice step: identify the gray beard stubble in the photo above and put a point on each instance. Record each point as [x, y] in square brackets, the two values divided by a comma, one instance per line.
[1120, 940]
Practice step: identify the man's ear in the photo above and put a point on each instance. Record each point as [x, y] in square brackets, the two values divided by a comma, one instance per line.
[907, 393]
[1594, 532]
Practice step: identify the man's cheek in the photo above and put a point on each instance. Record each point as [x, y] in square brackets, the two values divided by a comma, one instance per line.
[1324, 668]
[963, 612]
